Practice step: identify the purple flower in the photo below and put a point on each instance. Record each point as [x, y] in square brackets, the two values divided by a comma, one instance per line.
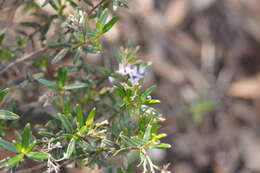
[136, 74]
[111, 79]
[133, 72]
[124, 69]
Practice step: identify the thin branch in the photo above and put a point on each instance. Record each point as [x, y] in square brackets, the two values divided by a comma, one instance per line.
[22, 59]
[94, 8]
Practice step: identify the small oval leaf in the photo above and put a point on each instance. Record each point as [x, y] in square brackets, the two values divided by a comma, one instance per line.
[38, 156]
[7, 115]
[75, 86]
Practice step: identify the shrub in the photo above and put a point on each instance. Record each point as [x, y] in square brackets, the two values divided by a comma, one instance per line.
[100, 113]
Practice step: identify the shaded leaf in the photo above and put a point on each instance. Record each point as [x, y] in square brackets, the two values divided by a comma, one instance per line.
[103, 16]
[59, 56]
[66, 123]
[128, 141]
[7, 145]
[7, 115]
[85, 146]
[147, 133]
[48, 83]
[30, 24]
[2, 36]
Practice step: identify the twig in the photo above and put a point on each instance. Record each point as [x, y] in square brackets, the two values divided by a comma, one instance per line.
[94, 8]
[24, 58]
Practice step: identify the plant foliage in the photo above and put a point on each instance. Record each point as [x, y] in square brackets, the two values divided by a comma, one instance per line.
[102, 113]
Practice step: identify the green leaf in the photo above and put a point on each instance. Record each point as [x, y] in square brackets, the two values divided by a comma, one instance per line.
[70, 149]
[60, 56]
[7, 115]
[128, 141]
[62, 75]
[73, 4]
[85, 146]
[103, 16]
[38, 156]
[162, 146]
[7, 145]
[2, 36]
[14, 160]
[66, 123]
[3, 93]
[54, 4]
[120, 92]
[147, 133]
[48, 83]
[199, 108]
[120, 170]
[26, 136]
[75, 86]
[147, 92]
[139, 141]
[91, 117]
[109, 143]
[151, 101]
[99, 27]
[20, 41]
[5, 54]
[110, 24]
[18, 147]
[31, 146]
[79, 117]
[30, 24]
[29, 6]
[53, 44]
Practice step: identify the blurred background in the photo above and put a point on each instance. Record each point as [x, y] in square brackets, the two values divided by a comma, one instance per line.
[206, 59]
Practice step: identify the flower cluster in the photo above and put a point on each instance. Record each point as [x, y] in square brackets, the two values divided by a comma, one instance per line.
[76, 20]
[133, 72]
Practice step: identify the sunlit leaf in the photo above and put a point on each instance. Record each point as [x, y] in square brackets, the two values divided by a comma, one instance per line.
[110, 24]
[91, 116]
[38, 156]
[14, 160]
[26, 136]
[70, 149]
